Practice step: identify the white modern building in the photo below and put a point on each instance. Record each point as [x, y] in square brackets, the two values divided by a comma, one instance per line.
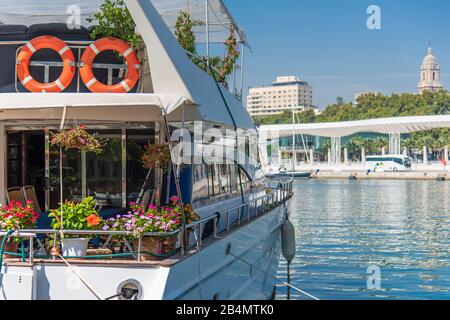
[393, 127]
[285, 94]
[430, 74]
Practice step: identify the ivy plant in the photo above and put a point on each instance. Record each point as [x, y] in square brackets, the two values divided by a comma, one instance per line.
[222, 67]
[115, 21]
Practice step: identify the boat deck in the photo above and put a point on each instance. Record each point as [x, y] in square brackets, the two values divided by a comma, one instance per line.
[247, 214]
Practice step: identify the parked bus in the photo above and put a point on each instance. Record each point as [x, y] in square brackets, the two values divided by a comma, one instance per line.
[385, 163]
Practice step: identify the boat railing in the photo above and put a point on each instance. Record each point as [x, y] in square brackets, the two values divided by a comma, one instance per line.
[242, 214]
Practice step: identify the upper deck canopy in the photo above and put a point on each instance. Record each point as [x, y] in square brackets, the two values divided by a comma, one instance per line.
[341, 129]
[96, 107]
[27, 12]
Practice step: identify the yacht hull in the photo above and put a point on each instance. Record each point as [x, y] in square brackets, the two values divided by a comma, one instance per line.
[241, 265]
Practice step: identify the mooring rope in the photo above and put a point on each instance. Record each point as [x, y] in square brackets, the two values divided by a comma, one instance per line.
[280, 281]
[79, 276]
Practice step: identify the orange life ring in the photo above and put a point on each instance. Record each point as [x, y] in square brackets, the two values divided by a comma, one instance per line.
[104, 44]
[39, 43]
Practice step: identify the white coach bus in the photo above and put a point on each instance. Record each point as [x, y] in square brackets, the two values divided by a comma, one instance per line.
[393, 163]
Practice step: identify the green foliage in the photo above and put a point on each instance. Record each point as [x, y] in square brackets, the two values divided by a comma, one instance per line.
[184, 31]
[76, 216]
[115, 21]
[222, 66]
[307, 116]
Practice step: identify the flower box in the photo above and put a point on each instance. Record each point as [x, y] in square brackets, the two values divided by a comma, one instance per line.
[154, 248]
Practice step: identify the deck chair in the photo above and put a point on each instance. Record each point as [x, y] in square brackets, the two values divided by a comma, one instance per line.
[30, 195]
[16, 194]
[44, 222]
[145, 201]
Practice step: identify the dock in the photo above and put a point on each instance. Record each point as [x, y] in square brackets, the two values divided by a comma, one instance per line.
[364, 175]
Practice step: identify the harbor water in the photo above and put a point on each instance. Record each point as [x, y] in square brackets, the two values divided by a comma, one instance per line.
[370, 240]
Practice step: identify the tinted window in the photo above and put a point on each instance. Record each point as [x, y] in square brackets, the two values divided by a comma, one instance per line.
[215, 181]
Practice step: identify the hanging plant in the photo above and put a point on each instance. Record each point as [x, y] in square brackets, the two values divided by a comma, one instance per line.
[184, 31]
[78, 138]
[156, 156]
[222, 67]
[231, 55]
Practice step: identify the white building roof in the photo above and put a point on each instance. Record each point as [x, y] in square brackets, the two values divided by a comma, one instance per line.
[347, 128]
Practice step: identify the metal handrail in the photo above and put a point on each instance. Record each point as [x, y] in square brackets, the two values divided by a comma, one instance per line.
[276, 196]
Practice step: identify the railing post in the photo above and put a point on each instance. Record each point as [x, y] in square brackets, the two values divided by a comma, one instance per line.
[248, 211]
[31, 249]
[239, 216]
[215, 228]
[199, 234]
[139, 255]
[228, 221]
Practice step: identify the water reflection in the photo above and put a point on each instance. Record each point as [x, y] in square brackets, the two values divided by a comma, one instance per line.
[343, 227]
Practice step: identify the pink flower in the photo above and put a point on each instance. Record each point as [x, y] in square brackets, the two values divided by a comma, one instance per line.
[174, 199]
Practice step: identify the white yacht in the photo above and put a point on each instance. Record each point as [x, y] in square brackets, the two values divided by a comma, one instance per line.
[232, 252]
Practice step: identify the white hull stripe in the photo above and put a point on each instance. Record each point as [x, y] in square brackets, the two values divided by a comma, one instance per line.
[30, 46]
[125, 86]
[91, 82]
[127, 52]
[63, 50]
[94, 48]
[59, 84]
[27, 79]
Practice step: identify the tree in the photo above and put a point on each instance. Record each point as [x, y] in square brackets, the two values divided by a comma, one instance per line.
[340, 101]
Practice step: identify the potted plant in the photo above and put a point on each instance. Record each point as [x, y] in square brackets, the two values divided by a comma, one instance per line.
[189, 213]
[142, 220]
[76, 216]
[16, 216]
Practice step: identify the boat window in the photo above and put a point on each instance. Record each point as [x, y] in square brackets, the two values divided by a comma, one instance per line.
[234, 181]
[104, 171]
[216, 181]
[72, 189]
[136, 173]
[200, 187]
[246, 183]
[213, 181]
[26, 161]
[224, 179]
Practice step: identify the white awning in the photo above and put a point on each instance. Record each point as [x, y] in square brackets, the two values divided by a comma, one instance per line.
[97, 107]
[348, 128]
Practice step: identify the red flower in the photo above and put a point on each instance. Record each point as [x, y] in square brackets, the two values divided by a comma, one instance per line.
[93, 220]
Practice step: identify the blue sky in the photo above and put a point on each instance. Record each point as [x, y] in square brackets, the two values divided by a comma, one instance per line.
[327, 43]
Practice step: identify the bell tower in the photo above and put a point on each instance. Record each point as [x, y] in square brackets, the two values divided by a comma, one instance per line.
[430, 74]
